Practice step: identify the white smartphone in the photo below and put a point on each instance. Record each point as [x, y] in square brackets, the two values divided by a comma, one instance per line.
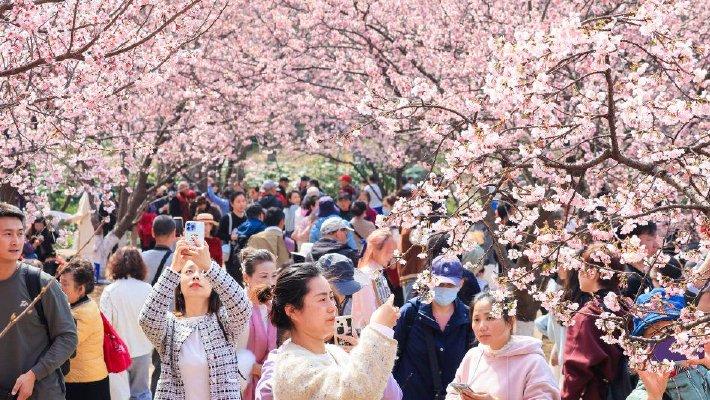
[343, 327]
[195, 232]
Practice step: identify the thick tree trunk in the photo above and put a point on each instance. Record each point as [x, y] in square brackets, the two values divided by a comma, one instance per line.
[133, 203]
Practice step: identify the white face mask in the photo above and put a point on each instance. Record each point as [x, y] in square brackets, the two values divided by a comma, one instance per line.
[444, 296]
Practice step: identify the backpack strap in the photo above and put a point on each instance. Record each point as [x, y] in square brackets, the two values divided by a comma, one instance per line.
[229, 231]
[34, 286]
[408, 324]
[431, 350]
[159, 271]
[433, 361]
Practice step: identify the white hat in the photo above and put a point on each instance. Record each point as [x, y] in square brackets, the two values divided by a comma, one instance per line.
[313, 191]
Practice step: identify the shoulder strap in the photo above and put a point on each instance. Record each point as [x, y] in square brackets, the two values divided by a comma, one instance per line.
[433, 360]
[221, 327]
[410, 318]
[341, 306]
[229, 232]
[224, 334]
[159, 271]
[408, 324]
[34, 286]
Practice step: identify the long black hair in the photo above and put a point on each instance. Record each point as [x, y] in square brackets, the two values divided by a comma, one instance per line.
[290, 289]
[572, 292]
[213, 306]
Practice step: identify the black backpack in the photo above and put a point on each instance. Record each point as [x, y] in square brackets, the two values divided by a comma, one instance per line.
[620, 387]
[34, 286]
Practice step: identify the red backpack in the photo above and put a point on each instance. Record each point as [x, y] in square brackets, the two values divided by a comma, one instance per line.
[116, 355]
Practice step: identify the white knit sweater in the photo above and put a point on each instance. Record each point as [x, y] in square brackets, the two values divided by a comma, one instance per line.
[336, 375]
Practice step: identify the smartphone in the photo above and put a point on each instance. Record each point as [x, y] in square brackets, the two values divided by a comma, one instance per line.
[179, 224]
[462, 388]
[195, 232]
[382, 289]
[343, 327]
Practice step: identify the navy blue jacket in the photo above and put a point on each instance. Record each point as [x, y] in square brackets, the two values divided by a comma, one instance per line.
[411, 369]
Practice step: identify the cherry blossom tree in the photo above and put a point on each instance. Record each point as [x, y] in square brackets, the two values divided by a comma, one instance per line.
[65, 69]
[588, 126]
[588, 118]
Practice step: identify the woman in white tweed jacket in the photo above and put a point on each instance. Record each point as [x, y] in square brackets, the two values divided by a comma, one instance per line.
[193, 316]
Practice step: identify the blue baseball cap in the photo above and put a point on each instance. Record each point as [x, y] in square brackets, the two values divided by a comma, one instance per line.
[447, 270]
[340, 272]
[671, 310]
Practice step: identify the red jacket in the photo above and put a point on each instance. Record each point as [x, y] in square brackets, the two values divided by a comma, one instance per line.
[215, 245]
[370, 214]
[589, 362]
[145, 229]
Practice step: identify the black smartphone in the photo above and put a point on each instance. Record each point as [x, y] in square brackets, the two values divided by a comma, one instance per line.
[4, 395]
[179, 226]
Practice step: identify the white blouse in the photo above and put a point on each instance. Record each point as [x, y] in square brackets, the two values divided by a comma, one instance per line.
[194, 370]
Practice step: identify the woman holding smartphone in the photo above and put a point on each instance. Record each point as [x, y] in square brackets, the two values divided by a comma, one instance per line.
[370, 274]
[308, 368]
[193, 316]
[503, 365]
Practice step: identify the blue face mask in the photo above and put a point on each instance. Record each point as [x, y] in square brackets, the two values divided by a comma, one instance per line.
[444, 296]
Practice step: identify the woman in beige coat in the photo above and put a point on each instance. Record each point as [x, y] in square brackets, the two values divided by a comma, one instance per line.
[309, 369]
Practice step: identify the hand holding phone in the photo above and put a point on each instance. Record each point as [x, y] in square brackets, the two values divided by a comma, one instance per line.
[462, 388]
[467, 393]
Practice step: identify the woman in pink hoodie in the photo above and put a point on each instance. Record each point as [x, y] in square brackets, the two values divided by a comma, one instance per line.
[502, 366]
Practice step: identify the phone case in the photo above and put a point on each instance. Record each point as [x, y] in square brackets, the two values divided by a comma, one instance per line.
[382, 289]
[195, 232]
[343, 327]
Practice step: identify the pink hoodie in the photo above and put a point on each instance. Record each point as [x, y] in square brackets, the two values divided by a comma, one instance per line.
[518, 371]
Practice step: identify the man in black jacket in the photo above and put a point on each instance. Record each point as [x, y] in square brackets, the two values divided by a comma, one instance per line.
[333, 239]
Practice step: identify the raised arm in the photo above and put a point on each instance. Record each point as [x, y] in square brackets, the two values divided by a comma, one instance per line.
[221, 202]
[363, 378]
[156, 310]
[237, 309]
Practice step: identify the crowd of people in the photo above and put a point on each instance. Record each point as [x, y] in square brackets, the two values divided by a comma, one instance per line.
[297, 294]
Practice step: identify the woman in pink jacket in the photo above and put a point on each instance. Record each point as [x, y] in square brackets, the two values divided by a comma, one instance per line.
[502, 366]
[259, 275]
